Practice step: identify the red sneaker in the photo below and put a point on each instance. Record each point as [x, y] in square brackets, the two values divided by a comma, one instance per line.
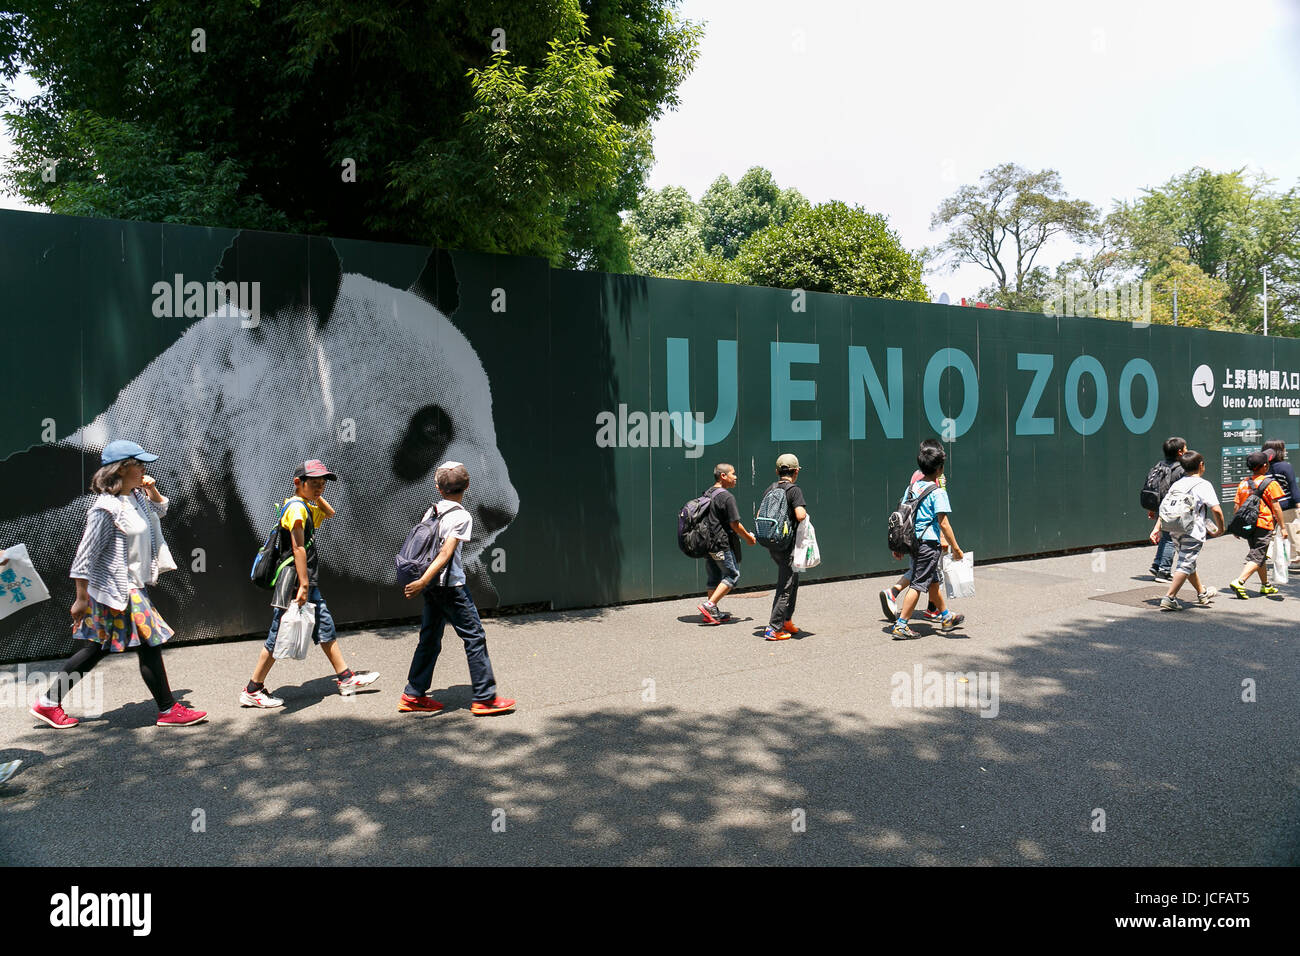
[418, 705]
[54, 716]
[484, 708]
[181, 716]
[789, 627]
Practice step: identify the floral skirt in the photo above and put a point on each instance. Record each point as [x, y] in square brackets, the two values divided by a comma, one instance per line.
[116, 630]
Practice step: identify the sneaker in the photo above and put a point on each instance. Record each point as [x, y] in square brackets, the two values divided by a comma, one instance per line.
[1238, 589]
[8, 769]
[484, 708]
[1206, 596]
[723, 616]
[1266, 589]
[772, 634]
[258, 698]
[54, 716]
[789, 627]
[1173, 604]
[710, 613]
[1161, 575]
[889, 603]
[418, 705]
[901, 632]
[950, 620]
[930, 614]
[180, 716]
[358, 679]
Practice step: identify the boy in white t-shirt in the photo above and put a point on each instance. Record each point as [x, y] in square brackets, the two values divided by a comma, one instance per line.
[1188, 545]
[447, 600]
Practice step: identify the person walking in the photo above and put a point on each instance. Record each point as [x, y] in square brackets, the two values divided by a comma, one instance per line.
[121, 555]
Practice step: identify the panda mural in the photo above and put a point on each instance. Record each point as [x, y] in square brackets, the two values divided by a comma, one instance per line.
[371, 379]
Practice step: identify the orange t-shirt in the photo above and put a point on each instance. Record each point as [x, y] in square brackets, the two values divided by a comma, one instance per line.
[1268, 494]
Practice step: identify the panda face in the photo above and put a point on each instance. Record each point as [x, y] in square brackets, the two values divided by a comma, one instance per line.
[382, 392]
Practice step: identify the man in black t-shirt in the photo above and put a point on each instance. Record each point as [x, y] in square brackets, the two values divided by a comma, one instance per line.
[781, 626]
[725, 531]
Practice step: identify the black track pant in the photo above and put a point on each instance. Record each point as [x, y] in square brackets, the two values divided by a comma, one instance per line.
[83, 662]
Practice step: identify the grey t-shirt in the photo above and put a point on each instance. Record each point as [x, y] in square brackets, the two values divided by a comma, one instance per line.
[453, 522]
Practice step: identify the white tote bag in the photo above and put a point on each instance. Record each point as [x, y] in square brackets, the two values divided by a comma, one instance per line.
[959, 576]
[294, 637]
[806, 554]
[20, 585]
[1279, 554]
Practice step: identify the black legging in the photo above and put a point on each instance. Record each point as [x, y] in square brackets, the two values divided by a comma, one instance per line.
[84, 661]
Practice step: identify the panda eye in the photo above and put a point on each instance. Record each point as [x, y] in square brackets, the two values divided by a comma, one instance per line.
[428, 434]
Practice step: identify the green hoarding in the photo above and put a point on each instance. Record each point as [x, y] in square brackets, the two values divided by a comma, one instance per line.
[587, 407]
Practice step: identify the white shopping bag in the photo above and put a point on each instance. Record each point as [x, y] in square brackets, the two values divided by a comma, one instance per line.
[294, 637]
[959, 576]
[1279, 553]
[806, 555]
[20, 585]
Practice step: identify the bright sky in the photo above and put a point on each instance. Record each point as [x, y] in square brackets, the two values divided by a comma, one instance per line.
[893, 106]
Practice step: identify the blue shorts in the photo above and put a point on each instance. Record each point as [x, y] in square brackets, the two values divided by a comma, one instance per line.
[718, 571]
[322, 633]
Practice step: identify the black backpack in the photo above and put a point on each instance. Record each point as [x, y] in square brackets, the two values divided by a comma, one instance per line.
[694, 530]
[902, 523]
[1159, 480]
[772, 525]
[1245, 518]
[268, 563]
[418, 549]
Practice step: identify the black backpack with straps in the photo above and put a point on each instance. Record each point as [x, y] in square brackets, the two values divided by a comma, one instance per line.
[902, 523]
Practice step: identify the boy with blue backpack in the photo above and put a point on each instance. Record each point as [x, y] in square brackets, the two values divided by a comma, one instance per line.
[447, 525]
[930, 518]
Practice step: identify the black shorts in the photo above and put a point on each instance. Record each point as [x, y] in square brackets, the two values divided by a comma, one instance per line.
[925, 565]
[1258, 545]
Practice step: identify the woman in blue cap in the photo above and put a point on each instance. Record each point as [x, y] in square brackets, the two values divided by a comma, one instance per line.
[121, 553]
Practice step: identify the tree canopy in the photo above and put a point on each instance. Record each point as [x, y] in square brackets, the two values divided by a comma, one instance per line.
[502, 126]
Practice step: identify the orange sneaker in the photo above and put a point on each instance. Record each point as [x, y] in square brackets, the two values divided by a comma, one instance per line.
[485, 708]
[418, 705]
[789, 627]
[774, 635]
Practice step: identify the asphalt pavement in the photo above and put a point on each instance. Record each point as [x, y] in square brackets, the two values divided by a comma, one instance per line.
[1068, 722]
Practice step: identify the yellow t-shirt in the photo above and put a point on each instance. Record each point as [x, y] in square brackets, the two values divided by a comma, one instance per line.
[297, 511]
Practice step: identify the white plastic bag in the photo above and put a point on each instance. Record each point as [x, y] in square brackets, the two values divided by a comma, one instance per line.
[1279, 553]
[20, 585]
[806, 554]
[294, 637]
[959, 576]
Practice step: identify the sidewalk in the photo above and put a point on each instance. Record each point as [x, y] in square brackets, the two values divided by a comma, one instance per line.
[644, 738]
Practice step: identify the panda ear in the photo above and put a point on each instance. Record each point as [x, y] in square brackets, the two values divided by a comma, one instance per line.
[292, 271]
[437, 283]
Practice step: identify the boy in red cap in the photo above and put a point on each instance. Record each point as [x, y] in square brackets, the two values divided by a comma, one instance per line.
[302, 516]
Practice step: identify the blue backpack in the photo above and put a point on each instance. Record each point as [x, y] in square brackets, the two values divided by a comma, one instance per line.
[419, 549]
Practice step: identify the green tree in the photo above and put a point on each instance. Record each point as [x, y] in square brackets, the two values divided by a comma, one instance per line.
[833, 247]
[504, 124]
[1002, 225]
[731, 214]
[663, 232]
[1231, 225]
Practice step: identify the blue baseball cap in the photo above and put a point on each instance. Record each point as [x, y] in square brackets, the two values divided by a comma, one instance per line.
[122, 449]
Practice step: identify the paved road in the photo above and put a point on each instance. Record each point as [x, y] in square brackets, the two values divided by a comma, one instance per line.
[644, 738]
